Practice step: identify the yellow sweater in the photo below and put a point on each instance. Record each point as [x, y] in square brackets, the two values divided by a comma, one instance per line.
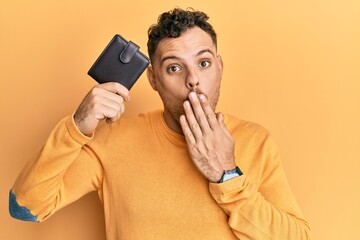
[150, 188]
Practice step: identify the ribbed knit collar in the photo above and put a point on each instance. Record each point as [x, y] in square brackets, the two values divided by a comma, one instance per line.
[164, 130]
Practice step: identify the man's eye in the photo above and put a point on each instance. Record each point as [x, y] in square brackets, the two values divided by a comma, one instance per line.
[204, 64]
[174, 68]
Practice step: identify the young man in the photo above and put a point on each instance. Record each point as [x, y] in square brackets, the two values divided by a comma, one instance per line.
[184, 172]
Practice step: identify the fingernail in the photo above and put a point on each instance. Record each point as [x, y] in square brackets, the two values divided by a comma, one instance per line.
[220, 116]
[182, 118]
[187, 104]
[202, 97]
[192, 95]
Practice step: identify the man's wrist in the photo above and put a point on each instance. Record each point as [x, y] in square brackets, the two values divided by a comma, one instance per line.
[230, 174]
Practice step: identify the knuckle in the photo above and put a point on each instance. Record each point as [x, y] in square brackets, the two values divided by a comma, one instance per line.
[210, 115]
[110, 114]
[119, 99]
[195, 126]
[116, 84]
[121, 109]
[94, 106]
[95, 91]
[189, 134]
[96, 87]
[202, 121]
[99, 116]
[113, 112]
[96, 98]
[195, 151]
[118, 107]
[114, 119]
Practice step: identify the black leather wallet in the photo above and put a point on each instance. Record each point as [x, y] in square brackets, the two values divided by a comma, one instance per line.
[121, 61]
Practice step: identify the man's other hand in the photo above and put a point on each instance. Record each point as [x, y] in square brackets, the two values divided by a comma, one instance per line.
[104, 101]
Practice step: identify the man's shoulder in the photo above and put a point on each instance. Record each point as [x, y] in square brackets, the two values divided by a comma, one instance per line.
[131, 123]
[244, 127]
[126, 129]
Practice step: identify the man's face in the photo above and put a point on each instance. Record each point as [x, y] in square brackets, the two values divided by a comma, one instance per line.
[182, 65]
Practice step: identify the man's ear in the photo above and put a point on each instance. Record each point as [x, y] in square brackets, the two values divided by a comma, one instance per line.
[221, 64]
[151, 77]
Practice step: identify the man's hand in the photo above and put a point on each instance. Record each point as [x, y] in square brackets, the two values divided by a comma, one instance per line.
[210, 144]
[104, 101]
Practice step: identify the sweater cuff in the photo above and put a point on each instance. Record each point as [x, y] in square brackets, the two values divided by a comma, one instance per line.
[220, 191]
[75, 133]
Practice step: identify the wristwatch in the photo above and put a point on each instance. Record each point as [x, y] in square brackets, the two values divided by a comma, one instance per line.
[230, 174]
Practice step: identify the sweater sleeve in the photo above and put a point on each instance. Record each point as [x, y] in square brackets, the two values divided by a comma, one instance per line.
[262, 209]
[63, 171]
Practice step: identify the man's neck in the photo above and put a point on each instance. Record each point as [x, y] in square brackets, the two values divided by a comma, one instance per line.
[172, 123]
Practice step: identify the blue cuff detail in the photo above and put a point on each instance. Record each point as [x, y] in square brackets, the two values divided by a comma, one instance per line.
[19, 212]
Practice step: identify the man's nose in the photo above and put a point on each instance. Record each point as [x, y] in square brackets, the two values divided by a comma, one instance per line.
[192, 80]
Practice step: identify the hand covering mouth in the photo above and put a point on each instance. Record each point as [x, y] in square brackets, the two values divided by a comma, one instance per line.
[198, 92]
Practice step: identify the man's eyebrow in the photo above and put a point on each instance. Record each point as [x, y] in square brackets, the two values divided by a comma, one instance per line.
[178, 58]
[205, 51]
[169, 57]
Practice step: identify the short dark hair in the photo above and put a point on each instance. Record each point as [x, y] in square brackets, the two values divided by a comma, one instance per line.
[173, 23]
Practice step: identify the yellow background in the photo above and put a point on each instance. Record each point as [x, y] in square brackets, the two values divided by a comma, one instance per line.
[292, 66]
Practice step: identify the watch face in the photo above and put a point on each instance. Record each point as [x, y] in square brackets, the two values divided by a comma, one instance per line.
[230, 175]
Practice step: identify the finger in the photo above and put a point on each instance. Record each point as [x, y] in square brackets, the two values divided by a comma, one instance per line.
[114, 119]
[209, 113]
[118, 106]
[106, 112]
[189, 137]
[104, 107]
[117, 116]
[100, 94]
[220, 119]
[117, 88]
[192, 121]
[113, 97]
[199, 112]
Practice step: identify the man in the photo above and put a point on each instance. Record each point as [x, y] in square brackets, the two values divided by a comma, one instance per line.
[184, 172]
